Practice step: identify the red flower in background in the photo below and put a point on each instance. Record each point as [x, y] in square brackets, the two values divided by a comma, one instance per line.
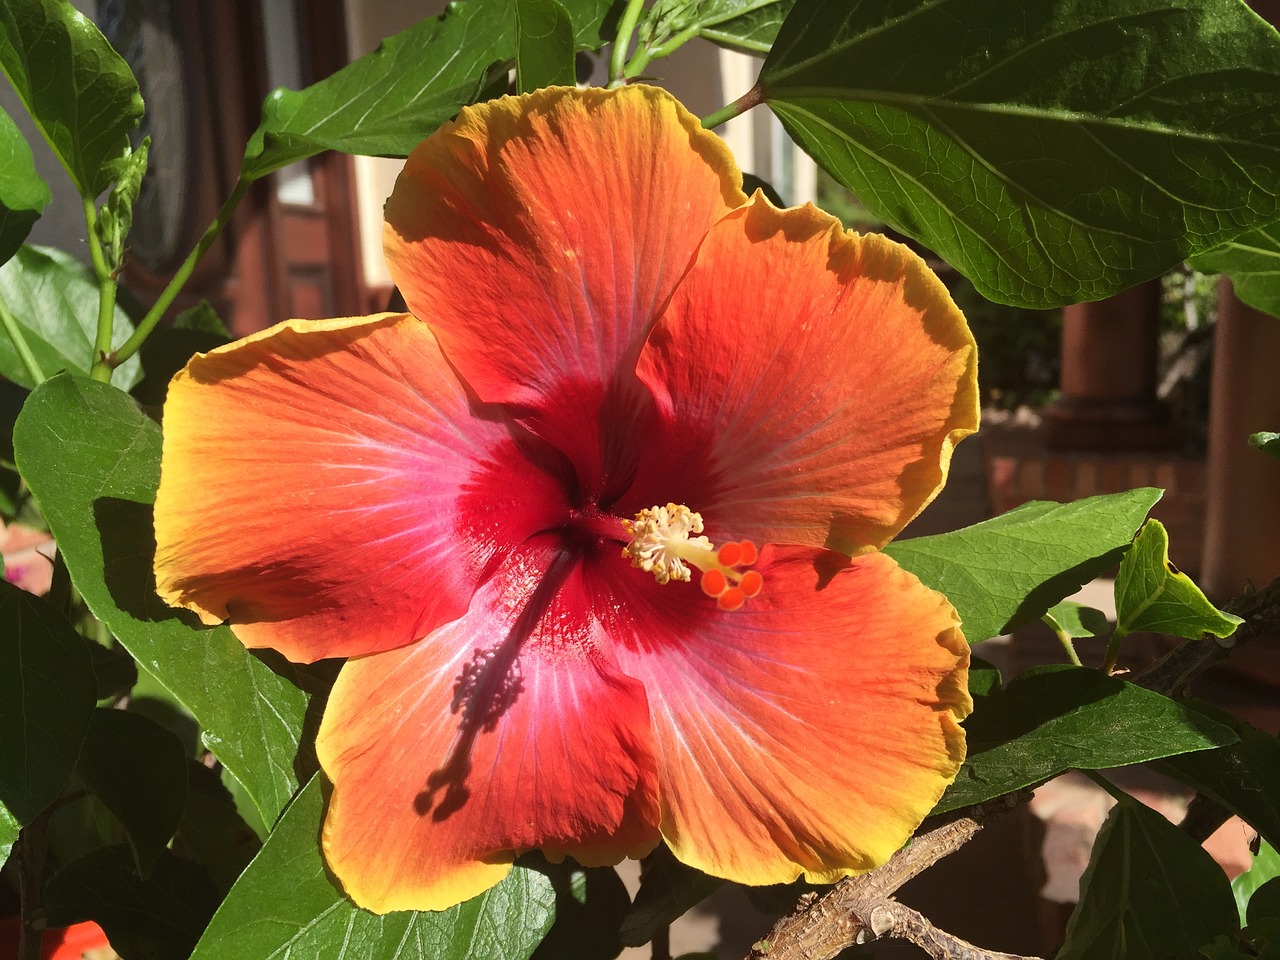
[478, 503]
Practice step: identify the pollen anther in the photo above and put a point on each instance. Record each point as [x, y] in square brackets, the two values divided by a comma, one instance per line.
[661, 544]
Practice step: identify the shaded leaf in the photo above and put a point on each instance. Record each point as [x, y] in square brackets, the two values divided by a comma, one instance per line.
[590, 905]
[544, 46]
[47, 692]
[1244, 777]
[385, 103]
[1057, 718]
[1053, 152]
[668, 889]
[159, 918]
[211, 832]
[54, 298]
[1002, 573]
[79, 91]
[138, 770]
[1252, 261]
[1150, 892]
[23, 192]
[1268, 443]
[1075, 620]
[1153, 595]
[984, 678]
[92, 459]
[287, 904]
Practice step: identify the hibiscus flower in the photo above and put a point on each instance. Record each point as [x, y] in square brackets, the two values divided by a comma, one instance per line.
[597, 523]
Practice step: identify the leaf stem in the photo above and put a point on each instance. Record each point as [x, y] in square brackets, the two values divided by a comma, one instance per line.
[100, 365]
[1113, 650]
[751, 98]
[170, 292]
[1064, 638]
[622, 43]
[19, 340]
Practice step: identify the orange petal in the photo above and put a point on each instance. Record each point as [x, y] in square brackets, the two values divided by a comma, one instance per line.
[540, 236]
[451, 757]
[330, 488]
[811, 383]
[807, 732]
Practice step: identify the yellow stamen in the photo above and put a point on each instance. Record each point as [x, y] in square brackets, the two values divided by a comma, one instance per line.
[662, 544]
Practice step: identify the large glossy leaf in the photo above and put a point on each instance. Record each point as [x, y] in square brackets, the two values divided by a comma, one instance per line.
[138, 770]
[156, 918]
[746, 25]
[23, 193]
[544, 45]
[92, 458]
[1265, 868]
[1054, 151]
[1056, 718]
[1150, 892]
[1154, 595]
[287, 905]
[47, 691]
[1243, 777]
[79, 91]
[54, 298]
[1252, 261]
[385, 103]
[1002, 573]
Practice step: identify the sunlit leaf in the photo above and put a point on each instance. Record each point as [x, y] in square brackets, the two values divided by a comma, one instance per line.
[1002, 573]
[1059, 717]
[92, 458]
[138, 770]
[23, 193]
[47, 692]
[1264, 869]
[54, 298]
[286, 904]
[1152, 594]
[385, 103]
[1268, 443]
[1252, 261]
[746, 25]
[1150, 892]
[80, 92]
[9, 828]
[1053, 152]
[1076, 620]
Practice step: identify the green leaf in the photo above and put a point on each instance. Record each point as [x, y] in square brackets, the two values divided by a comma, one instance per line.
[55, 300]
[47, 692]
[1053, 152]
[1150, 892]
[746, 25]
[1265, 868]
[9, 828]
[1268, 443]
[286, 904]
[115, 219]
[385, 103]
[23, 193]
[202, 318]
[590, 905]
[544, 46]
[1252, 261]
[1243, 777]
[667, 891]
[1152, 595]
[1075, 620]
[1002, 573]
[984, 678]
[138, 770]
[1059, 717]
[79, 91]
[157, 918]
[211, 832]
[92, 459]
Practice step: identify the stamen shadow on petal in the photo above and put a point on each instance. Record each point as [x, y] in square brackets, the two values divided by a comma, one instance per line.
[488, 685]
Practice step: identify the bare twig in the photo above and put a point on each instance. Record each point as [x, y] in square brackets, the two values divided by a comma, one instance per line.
[31, 851]
[860, 909]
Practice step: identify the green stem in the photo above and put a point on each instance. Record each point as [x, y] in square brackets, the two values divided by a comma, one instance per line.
[10, 324]
[100, 365]
[622, 43]
[1113, 650]
[1064, 638]
[751, 98]
[645, 55]
[170, 292]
